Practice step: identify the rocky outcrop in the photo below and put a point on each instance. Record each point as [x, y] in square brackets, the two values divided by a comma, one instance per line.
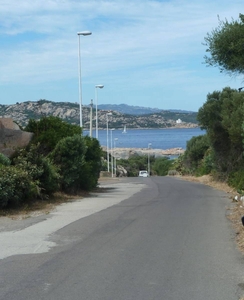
[11, 137]
[125, 153]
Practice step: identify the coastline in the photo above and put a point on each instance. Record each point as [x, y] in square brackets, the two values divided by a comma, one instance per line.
[125, 153]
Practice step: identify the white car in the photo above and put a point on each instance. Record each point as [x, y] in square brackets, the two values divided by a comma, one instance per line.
[143, 173]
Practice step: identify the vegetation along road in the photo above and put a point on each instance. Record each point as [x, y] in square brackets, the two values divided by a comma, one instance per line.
[139, 238]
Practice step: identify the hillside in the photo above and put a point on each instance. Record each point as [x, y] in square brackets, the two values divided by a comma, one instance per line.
[22, 112]
[136, 110]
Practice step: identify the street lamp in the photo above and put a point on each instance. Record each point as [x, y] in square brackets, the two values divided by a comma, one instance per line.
[108, 114]
[115, 168]
[91, 105]
[148, 161]
[100, 86]
[84, 33]
[111, 151]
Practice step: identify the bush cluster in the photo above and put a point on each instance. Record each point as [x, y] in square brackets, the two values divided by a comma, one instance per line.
[220, 151]
[16, 186]
[59, 158]
[159, 166]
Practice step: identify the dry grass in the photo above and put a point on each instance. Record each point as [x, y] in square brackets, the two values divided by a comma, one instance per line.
[37, 207]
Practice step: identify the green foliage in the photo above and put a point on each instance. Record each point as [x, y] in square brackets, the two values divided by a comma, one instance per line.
[198, 158]
[225, 46]
[220, 151]
[178, 164]
[16, 186]
[196, 148]
[4, 160]
[69, 156]
[161, 166]
[135, 163]
[208, 163]
[188, 117]
[49, 131]
[93, 164]
[222, 116]
[73, 165]
[236, 179]
[40, 169]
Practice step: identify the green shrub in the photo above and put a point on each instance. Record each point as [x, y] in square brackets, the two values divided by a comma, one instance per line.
[4, 160]
[93, 163]
[196, 148]
[206, 165]
[16, 186]
[236, 179]
[39, 168]
[48, 131]
[161, 166]
[179, 164]
[69, 157]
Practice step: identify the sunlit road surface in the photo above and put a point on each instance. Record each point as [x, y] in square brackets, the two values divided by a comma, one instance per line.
[155, 238]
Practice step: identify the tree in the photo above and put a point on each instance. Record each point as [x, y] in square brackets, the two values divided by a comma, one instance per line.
[222, 116]
[48, 131]
[161, 166]
[196, 148]
[225, 44]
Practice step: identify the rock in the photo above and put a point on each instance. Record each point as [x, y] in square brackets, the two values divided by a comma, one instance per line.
[121, 171]
[11, 137]
[125, 153]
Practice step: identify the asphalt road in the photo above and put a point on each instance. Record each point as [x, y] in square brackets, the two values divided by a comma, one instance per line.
[170, 240]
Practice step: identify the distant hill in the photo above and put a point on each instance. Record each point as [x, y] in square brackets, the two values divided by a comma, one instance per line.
[70, 112]
[136, 110]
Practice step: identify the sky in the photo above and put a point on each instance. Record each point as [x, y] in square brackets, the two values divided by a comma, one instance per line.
[146, 53]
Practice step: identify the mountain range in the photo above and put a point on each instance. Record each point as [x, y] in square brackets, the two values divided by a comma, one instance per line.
[136, 110]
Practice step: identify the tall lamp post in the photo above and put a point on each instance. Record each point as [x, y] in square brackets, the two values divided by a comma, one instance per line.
[108, 114]
[115, 168]
[84, 33]
[111, 151]
[148, 161]
[91, 105]
[100, 86]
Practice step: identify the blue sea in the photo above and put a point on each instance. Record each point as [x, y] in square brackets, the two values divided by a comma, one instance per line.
[140, 138]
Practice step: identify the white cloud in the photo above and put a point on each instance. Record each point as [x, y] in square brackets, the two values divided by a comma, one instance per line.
[142, 42]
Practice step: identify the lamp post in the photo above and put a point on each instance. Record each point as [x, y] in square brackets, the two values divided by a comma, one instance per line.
[111, 151]
[84, 33]
[115, 168]
[100, 86]
[91, 105]
[148, 161]
[108, 114]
